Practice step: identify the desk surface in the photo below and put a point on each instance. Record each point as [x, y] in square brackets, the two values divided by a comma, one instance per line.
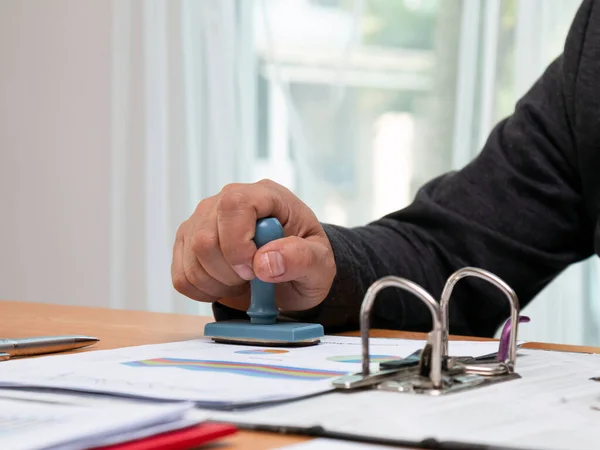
[122, 328]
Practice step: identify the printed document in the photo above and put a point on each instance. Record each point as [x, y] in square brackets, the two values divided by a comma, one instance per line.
[211, 374]
[553, 406]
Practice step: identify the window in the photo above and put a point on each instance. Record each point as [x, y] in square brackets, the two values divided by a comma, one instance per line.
[365, 101]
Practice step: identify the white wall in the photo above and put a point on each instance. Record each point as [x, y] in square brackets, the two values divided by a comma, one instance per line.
[54, 150]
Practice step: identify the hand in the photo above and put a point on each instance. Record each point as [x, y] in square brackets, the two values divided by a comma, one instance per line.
[214, 255]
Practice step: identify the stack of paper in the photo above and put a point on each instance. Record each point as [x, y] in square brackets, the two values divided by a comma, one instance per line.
[41, 425]
[213, 375]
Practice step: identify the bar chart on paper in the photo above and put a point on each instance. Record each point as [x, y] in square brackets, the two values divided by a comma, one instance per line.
[240, 368]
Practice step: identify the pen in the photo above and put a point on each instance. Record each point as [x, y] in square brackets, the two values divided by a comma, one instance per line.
[10, 348]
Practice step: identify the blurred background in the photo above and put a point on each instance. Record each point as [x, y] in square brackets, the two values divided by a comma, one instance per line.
[118, 117]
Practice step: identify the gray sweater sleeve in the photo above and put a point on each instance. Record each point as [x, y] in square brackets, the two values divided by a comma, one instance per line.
[516, 210]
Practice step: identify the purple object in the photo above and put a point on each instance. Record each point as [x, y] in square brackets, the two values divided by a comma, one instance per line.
[505, 338]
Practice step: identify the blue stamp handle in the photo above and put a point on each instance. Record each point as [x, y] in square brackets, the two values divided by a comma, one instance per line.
[263, 309]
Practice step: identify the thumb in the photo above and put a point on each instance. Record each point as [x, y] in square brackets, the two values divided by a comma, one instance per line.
[309, 262]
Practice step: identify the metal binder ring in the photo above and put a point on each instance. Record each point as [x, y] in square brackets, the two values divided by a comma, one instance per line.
[500, 284]
[423, 295]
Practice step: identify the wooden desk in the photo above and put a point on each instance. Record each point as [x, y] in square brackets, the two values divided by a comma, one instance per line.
[120, 328]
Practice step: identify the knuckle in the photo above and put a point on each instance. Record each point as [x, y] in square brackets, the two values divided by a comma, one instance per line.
[205, 205]
[267, 183]
[180, 283]
[233, 200]
[203, 242]
[194, 277]
[231, 188]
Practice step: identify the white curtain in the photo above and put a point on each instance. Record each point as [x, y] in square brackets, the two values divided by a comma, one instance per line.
[181, 129]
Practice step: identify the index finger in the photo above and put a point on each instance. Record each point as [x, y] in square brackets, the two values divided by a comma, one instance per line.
[239, 207]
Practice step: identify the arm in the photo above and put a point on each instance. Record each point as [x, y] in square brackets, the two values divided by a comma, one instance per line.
[516, 210]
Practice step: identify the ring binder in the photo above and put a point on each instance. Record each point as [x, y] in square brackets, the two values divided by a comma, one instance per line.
[434, 371]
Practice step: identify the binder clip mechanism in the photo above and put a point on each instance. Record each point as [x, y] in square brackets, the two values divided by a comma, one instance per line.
[431, 371]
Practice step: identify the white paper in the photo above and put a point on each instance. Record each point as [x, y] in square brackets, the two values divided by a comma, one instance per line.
[212, 374]
[333, 444]
[553, 406]
[31, 425]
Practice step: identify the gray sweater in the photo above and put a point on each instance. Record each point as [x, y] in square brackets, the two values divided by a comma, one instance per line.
[525, 209]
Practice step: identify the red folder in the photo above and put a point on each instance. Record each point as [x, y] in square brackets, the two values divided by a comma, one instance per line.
[184, 439]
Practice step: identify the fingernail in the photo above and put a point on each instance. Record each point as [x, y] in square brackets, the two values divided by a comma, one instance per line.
[244, 271]
[274, 262]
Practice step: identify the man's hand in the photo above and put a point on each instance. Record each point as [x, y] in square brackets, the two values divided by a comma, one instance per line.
[214, 255]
